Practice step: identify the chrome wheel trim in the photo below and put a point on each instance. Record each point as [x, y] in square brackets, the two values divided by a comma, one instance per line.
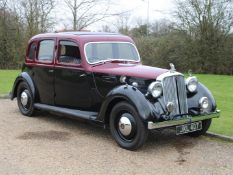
[24, 98]
[125, 125]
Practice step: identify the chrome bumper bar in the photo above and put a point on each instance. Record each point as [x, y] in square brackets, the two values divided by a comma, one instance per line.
[188, 119]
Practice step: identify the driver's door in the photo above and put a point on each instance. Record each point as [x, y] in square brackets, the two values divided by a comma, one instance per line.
[72, 82]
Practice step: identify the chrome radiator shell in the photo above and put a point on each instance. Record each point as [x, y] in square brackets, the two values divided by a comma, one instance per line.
[174, 90]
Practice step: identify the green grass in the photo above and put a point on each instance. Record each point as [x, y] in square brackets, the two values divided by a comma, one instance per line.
[221, 86]
[7, 78]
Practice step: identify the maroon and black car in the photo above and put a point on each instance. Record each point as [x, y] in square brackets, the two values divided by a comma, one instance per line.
[99, 77]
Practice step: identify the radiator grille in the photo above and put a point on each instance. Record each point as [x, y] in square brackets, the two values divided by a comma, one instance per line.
[174, 90]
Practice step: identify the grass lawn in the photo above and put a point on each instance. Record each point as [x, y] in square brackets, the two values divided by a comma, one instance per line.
[7, 78]
[221, 86]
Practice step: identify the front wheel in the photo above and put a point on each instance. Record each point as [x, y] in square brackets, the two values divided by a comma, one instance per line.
[25, 99]
[126, 126]
[205, 126]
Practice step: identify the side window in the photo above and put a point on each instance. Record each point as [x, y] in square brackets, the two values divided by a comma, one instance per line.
[69, 53]
[32, 51]
[46, 50]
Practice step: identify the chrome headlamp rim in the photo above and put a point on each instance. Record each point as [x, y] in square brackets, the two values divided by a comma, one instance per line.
[155, 89]
[123, 79]
[191, 84]
[204, 102]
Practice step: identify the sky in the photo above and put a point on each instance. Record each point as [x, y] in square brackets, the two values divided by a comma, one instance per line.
[158, 9]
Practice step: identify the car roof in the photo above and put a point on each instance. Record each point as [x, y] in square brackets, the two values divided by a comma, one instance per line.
[88, 33]
[86, 36]
[70, 34]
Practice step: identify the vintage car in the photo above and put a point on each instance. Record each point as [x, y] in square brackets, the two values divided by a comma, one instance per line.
[99, 77]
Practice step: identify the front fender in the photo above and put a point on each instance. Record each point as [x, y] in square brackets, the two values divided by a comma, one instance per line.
[202, 91]
[132, 95]
[24, 76]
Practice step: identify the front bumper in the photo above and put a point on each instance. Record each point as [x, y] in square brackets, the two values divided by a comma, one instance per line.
[185, 120]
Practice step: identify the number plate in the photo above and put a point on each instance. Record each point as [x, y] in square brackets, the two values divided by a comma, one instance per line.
[183, 129]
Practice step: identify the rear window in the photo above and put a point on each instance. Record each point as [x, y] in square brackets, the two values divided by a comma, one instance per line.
[46, 49]
[32, 51]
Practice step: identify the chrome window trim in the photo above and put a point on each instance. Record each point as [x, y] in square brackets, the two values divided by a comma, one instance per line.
[136, 61]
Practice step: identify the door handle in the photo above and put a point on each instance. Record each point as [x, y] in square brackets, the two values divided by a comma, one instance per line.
[82, 75]
[51, 71]
[109, 78]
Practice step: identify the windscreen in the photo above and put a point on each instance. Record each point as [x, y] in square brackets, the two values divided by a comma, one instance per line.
[104, 51]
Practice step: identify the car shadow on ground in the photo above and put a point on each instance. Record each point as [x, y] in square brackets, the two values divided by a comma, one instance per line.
[156, 139]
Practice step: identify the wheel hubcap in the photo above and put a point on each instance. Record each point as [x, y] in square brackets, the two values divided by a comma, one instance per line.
[125, 125]
[24, 98]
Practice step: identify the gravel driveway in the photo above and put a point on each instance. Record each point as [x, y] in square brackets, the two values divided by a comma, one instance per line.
[50, 144]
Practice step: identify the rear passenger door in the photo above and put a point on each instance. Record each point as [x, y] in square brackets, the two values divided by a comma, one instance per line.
[72, 83]
[43, 70]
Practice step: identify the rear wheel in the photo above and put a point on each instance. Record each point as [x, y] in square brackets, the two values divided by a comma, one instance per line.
[24, 99]
[205, 126]
[126, 126]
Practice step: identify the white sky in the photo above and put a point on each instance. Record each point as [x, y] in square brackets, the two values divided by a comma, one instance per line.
[158, 9]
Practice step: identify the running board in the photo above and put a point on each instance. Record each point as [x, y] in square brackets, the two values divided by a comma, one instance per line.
[71, 112]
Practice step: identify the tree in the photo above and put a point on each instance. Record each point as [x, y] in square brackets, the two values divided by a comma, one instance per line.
[36, 15]
[122, 23]
[19, 20]
[202, 16]
[3, 29]
[161, 27]
[11, 34]
[87, 12]
[208, 24]
[105, 28]
[140, 31]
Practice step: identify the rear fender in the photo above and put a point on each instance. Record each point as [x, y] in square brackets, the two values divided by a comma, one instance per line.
[23, 77]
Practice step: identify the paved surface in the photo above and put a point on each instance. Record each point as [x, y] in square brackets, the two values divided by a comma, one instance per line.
[49, 144]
